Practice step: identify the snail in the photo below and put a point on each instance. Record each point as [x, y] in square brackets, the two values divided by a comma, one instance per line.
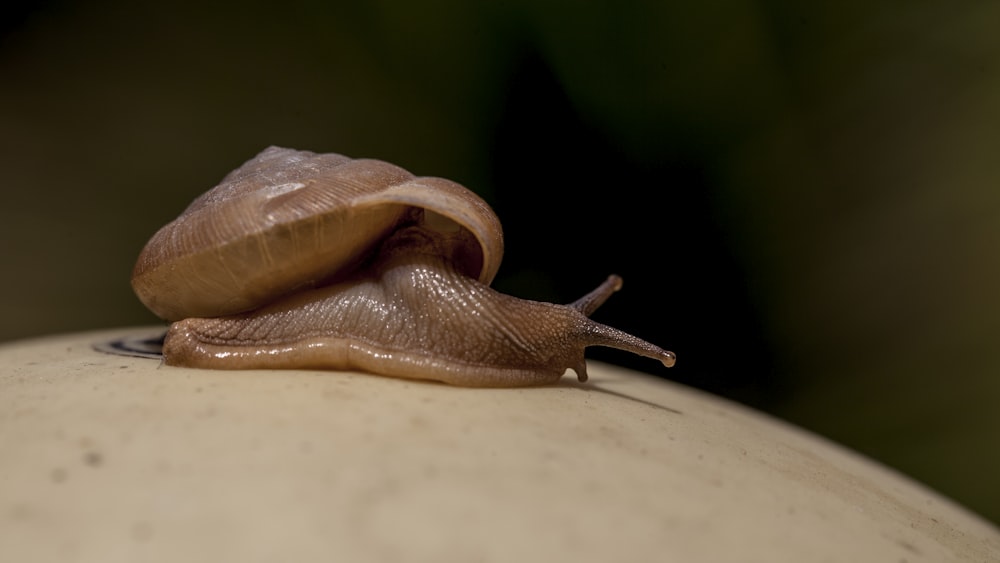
[320, 261]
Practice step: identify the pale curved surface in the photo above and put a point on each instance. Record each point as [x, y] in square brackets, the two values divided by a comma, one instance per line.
[111, 458]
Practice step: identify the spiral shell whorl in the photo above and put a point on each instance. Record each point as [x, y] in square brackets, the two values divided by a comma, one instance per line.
[287, 220]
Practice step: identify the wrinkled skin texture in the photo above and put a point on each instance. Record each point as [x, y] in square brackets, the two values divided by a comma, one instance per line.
[411, 317]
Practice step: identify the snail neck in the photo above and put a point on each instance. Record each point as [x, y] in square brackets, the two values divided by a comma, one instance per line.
[415, 262]
[455, 249]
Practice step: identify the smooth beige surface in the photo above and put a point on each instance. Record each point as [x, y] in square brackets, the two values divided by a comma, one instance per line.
[110, 458]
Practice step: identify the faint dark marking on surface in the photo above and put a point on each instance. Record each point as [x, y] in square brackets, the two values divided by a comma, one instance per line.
[139, 346]
[93, 459]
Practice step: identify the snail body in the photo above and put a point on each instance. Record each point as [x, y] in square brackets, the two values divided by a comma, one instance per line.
[248, 276]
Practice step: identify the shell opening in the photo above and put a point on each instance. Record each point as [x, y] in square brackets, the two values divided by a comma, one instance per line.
[439, 223]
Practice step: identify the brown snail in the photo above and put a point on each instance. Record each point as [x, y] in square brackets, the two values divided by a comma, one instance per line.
[305, 260]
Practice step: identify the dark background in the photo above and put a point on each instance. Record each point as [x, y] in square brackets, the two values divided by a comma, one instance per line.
[804, 201]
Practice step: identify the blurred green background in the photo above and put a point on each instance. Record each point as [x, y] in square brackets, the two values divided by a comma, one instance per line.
[804, 200]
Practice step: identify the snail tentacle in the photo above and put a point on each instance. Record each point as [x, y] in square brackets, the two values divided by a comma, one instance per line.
[591, 301]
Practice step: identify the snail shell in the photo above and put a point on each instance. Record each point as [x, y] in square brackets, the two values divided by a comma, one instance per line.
[305, 260]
